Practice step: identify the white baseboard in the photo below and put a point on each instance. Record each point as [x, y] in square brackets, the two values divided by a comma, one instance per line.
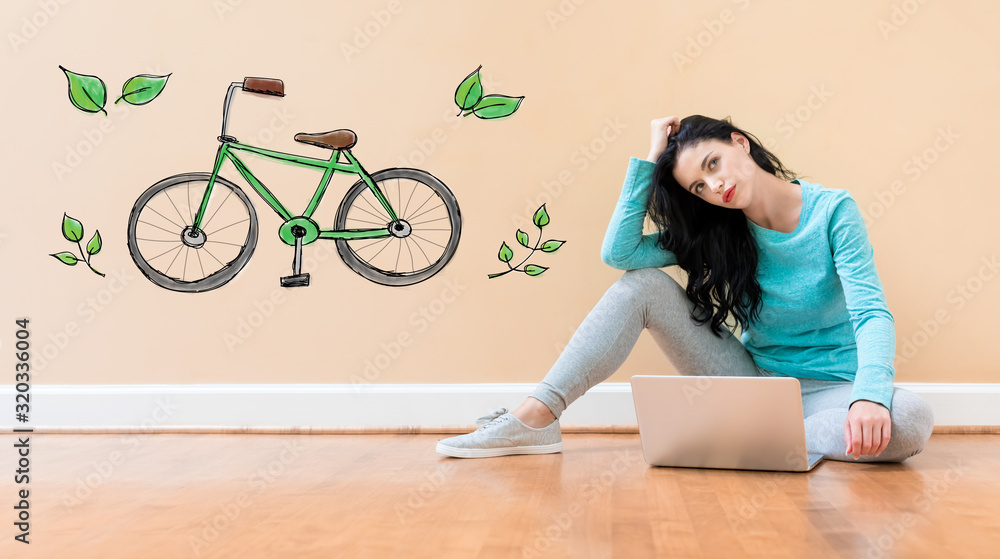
[333, 406]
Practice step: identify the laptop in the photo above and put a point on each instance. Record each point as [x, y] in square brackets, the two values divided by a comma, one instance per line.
[738, 423]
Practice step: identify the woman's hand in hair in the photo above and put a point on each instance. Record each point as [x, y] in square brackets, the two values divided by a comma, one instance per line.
[660, 131]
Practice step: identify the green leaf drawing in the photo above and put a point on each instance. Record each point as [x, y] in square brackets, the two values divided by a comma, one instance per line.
[505, 253]
[142, 89]
[87, 93]
[72, 229]
[94, 246]
[66, 258]
[541, 217]
[551, 246]
[470, 91]
[496, 106]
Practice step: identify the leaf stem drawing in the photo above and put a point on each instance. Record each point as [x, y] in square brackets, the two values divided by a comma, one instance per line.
[72, 231]
[540, 219]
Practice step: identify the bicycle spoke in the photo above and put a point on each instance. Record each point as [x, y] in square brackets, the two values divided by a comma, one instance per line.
[224, 243]
[375, 242]
[171, 200]
[430, 220]
[422, 252]
[162, 253]
[403, 214]
[184, 271]
[213, 256]
[189, 204]
[413, 265]
[200, 265]
[227, 226]
[364, 221]
[373, 206]
[172, 261]
[398, 252]
[166, 218]
[383, 248]
[428, 240]
[160, 228]
[157, 240]
[422, 205]
[367, 212]
[423, 212]
[228, 194]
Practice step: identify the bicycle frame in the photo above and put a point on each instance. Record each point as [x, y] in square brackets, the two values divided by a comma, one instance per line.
[328, 166]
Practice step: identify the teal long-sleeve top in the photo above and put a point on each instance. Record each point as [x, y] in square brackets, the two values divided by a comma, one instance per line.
[823, 311]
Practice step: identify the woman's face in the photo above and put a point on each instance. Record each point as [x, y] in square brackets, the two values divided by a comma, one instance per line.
[717, 172]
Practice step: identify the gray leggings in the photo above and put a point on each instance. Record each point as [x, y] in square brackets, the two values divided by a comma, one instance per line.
[649, 298]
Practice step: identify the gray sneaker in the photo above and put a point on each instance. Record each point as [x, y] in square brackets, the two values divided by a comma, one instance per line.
[501, 434]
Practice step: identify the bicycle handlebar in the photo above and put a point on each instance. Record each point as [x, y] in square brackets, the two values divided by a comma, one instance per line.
[265, 86]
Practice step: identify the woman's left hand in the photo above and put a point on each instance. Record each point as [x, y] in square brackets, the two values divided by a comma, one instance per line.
[867, 428]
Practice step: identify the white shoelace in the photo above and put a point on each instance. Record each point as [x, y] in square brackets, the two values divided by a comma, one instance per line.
[491, 418]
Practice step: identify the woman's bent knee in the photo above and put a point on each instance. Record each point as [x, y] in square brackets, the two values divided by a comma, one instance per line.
[913, 422]
[649, 281]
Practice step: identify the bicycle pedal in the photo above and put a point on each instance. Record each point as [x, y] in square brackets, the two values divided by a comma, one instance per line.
[297, 280]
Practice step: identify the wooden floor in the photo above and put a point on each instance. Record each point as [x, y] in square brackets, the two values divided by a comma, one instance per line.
[299, 496]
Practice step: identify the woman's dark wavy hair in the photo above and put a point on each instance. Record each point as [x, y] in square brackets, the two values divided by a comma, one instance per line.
[714, 245]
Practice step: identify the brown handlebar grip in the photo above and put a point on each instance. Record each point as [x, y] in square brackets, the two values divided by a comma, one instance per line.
[266, 86]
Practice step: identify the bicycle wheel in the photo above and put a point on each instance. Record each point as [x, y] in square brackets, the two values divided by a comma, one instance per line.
[171, 254]
[424, 238]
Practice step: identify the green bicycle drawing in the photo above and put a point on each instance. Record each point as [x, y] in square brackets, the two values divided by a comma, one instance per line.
[194, 232]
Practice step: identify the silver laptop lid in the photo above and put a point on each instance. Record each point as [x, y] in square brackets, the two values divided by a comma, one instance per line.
[751, 423]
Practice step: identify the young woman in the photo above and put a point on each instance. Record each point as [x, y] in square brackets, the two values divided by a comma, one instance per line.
[789, 259]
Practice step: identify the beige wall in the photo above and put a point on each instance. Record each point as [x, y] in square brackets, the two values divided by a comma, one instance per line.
[866, 101]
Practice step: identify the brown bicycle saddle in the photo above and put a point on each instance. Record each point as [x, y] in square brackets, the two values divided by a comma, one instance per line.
[334, 139]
